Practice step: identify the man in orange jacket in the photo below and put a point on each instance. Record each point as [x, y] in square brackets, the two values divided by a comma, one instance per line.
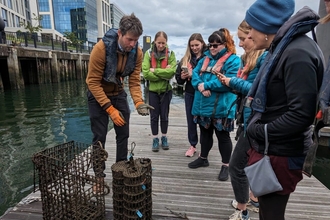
[114, 57]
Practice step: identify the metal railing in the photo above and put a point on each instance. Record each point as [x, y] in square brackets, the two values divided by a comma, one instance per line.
[25, 39]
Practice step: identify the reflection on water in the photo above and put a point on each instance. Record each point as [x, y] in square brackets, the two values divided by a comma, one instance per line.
[33, 119]
[43, 116]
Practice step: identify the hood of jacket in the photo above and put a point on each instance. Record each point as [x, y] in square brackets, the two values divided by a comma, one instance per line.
[308, 19]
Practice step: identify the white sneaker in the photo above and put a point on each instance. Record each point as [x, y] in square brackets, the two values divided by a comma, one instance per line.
[237, 215]
[251, 206]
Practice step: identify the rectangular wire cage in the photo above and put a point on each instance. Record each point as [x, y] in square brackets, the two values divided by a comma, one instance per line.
[66, 179]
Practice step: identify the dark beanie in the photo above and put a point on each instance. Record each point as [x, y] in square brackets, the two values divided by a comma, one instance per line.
[267, 16]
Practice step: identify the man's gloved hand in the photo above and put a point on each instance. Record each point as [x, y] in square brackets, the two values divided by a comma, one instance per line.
[142, 108]
[116, 116]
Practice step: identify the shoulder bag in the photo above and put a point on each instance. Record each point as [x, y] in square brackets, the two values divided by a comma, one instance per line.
[261, 175]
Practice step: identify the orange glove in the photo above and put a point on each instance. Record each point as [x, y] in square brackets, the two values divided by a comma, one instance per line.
[142, 108]
[319, 115]
[116, 116]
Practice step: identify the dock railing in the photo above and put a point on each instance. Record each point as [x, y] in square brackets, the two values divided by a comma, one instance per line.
[25, 39]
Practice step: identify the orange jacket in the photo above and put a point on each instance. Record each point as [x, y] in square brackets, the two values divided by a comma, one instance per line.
[101, 89]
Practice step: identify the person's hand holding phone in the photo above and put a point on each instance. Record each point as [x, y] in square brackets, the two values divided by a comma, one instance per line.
[223, 79]
[184, 72]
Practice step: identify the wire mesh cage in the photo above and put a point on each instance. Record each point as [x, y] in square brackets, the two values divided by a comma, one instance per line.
[66, 179]
[131, 187]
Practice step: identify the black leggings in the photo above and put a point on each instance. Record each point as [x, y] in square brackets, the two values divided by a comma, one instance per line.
[224, 142]
[272, 206]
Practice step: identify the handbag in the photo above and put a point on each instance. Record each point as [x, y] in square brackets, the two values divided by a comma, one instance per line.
[261, 176]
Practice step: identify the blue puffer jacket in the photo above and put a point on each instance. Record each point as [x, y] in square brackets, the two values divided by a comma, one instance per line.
[243, 86]
[218, 104]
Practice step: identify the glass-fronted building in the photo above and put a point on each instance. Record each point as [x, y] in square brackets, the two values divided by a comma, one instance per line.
[90, 19]
[79, 16]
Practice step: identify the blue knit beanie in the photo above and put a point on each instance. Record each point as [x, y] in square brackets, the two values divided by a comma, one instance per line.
[267, 16]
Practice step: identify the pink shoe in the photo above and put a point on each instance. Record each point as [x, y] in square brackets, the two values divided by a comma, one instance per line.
[191, 151]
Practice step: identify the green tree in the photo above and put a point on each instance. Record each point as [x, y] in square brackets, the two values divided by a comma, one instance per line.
[33, 26]
[72, 37]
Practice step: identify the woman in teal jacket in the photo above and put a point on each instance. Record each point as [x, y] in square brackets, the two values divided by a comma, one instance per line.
[213, 107]
[158, 67]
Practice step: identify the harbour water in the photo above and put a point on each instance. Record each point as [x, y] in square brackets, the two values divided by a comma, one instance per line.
[42, 116]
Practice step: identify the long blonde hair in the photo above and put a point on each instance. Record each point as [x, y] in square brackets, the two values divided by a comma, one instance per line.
[250, 58]
[325, 19]
[187, 56]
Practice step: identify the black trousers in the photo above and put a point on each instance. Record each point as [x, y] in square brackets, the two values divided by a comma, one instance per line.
[161, 103]
[99, 119]
[224, 142]
[272, 206]
[192, 126]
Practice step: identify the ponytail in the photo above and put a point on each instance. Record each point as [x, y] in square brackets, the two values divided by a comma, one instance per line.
[223, 36]
[230, 44]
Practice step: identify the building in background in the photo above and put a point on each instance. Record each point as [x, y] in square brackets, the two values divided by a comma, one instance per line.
[13, 12]
[89, 19]
[79, 16]
[116, 14]
[146, 43]
[45, 9]
[103, 17]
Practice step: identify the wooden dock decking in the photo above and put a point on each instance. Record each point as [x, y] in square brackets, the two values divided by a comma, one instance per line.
[178, 190]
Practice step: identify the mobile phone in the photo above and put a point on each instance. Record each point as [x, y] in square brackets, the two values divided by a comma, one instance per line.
[184, 69]
[220, 75]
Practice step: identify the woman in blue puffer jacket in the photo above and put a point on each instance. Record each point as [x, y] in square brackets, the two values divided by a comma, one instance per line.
[212, 107]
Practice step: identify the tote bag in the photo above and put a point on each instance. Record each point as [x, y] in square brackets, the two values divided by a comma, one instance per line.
[261, 176]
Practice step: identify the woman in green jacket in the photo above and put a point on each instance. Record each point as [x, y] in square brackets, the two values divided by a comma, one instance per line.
[158, 67]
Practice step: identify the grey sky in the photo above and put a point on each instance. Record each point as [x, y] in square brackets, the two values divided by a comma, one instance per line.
[179, 19]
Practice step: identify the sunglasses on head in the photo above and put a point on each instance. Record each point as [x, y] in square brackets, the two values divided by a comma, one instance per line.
[214, 45]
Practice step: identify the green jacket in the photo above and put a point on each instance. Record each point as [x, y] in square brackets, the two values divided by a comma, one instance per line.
[159, 80]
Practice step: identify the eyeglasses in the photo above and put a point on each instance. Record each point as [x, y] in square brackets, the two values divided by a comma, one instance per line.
[215, 46]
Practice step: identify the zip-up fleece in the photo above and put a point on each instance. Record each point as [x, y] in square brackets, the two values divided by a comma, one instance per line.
[101, 89]
[159, 79]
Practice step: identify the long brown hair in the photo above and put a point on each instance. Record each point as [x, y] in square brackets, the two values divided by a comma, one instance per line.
[187, 56]
[250, 58]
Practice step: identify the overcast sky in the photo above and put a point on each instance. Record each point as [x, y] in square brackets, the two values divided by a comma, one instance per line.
[180, 18]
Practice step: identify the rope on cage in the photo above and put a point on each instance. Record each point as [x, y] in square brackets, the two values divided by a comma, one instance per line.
[131, 154]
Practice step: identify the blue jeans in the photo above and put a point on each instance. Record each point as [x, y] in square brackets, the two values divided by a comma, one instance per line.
[99, 119]
[192, 126]
[238, 162]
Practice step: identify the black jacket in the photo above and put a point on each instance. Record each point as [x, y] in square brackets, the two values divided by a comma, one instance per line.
[291, 92]
[188, 87]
